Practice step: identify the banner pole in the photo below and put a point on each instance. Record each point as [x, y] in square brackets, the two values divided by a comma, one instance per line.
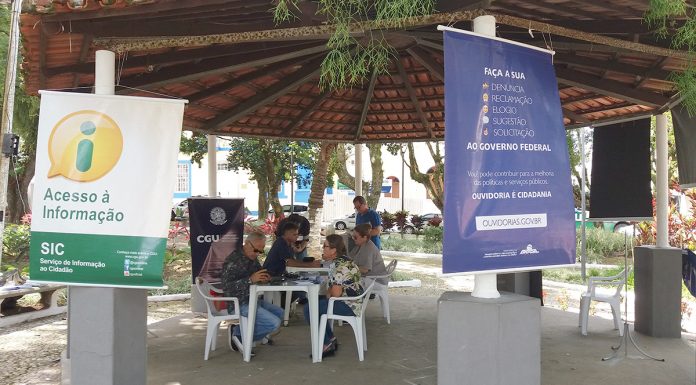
[485, 285]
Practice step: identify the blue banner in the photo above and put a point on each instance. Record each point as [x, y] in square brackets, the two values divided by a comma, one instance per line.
[508, 194]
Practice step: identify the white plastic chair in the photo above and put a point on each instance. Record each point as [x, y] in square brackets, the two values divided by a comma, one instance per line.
[357, 322]
[612, 297]
[382, 291]
[216, 317]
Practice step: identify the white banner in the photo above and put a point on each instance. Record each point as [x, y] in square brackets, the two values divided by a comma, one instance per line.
[105, 166]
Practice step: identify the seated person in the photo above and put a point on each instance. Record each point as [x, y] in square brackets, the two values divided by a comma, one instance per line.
[300, 245]
[344, 281]
[240, 270]
[282, 252]
[366, 255]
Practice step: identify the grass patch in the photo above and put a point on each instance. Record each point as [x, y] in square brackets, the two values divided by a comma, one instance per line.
[411, 245]
[574, 275]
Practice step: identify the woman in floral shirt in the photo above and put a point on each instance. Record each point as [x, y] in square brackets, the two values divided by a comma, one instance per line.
[344, 281]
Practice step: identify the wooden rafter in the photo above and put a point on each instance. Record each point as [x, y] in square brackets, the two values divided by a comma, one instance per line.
[307, 111]
[181, 56]
[424, 58]
[612, 65]
[244, 79]
[414, 98]
[609, 87]
[574, 117]
[448, 17]
[185, 72]
[366, 105]
[612, 120]
[555, 7]
[290, 82]
[84, 50]
[158, 7]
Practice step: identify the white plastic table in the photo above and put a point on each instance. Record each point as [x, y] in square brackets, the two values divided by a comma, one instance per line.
[312, 290]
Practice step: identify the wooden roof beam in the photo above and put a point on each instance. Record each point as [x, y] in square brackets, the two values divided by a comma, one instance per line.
[414, 98]
[613, 119]
[610, 66]
[574, 117]
[180, 56]
[609, 87]
[307, 111]
[243, 79]
[294, 80]
[186, 72]
[159, 7]
[366, 105]
[424, 58]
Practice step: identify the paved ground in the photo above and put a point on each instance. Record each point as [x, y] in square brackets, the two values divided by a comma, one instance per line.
[405, 353]
[401, 353]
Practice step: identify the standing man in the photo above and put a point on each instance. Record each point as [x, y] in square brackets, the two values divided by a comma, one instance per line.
[367, 215]
[242, 269]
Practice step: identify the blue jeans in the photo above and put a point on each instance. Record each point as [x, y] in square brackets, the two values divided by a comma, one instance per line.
[268, 319]
[340, 308]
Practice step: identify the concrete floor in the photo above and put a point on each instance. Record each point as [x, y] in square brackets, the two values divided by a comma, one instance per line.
[405, 353]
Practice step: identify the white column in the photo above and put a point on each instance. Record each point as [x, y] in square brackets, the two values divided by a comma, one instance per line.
[661, 188]
[485, 285]
[358, 169]
[212, 166]
[107, 327]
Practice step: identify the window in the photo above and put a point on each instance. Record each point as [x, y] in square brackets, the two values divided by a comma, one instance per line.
[223, 167]
[182, 177]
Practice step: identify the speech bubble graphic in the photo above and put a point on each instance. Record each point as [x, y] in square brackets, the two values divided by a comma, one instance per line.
[84, 146]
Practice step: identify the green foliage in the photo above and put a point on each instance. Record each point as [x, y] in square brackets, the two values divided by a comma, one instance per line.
[411, 245]
[661, 11]
[601, 244]
[349, 61]
[433, 234]
[196, 145]
[15, 244]
[659, 16]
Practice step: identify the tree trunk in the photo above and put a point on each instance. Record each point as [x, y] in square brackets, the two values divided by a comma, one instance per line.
[316, 198]
[372, 191]
[15, 208]
[263, 198]
[375, 190]
[432, 181]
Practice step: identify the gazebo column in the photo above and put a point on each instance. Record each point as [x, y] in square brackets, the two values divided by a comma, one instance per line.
[658, 268]
[358, 169]
[107, 327]
[212, 166]
[484, 337]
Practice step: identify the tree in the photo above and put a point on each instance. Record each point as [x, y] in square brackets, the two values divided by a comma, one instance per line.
[268, 162]
[664, 15]
[320, 179]
[348, 61]
[433, 179]
[372, 190]
[25, 121]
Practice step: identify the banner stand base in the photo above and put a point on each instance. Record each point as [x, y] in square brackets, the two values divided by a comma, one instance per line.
[488, 341]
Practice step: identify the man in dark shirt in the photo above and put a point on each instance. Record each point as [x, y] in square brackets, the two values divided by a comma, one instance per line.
[242, 269]
[300, 246]
[282, 252]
